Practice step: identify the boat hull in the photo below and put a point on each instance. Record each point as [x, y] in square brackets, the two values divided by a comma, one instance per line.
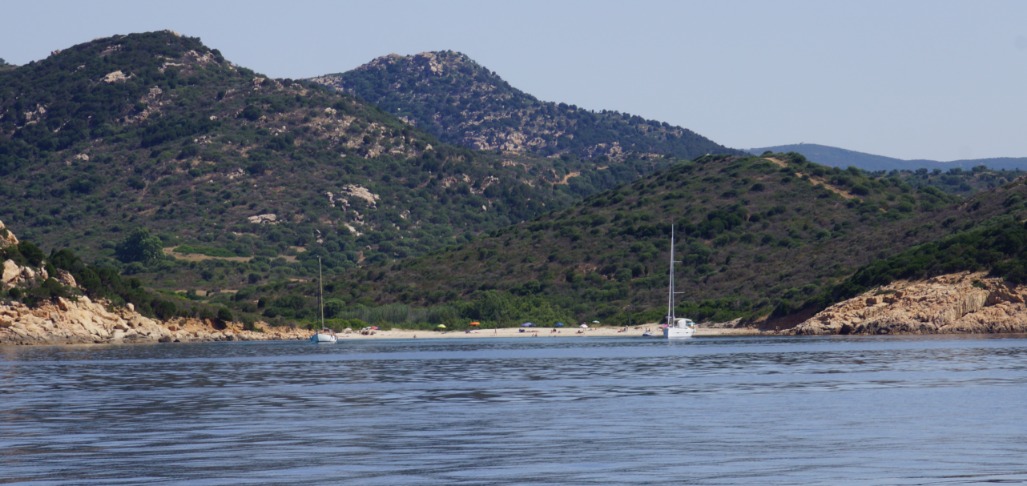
[678, 332]
[322, 337]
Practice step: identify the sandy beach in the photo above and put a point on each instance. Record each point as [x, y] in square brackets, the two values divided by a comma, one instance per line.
[541, 332]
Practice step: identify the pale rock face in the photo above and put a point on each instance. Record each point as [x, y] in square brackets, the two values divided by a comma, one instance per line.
[6, 237]
[11, 272]
[269, 218]
[66, 278]
[13, 275]
[361, 193]
[114, 77]
[956, 303]
[82, 321]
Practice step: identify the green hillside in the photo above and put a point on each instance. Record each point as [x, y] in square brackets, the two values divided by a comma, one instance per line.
[989, 233]
[842, 158]
[962, 178]
[151, 156]
[755, 236]
[160, 133]
[456, 99]
[63, 275]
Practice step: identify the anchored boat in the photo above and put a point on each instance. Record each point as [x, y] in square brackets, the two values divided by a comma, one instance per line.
[677, 327]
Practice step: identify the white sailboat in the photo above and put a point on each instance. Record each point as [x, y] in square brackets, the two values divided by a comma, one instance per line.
[324, 335]
[677, 327]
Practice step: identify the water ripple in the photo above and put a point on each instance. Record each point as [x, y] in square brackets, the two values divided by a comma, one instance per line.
[491, 412]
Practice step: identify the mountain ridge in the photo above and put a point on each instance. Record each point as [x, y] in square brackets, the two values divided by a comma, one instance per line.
[157, 130]
[113, 143]
[453, 97]
[842, 158]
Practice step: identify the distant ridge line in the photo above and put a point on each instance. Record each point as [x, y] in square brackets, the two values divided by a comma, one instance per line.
[843, 158]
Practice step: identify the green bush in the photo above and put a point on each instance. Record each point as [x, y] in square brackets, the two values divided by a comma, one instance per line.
[225, 315]
[32, 254]
[140, 246]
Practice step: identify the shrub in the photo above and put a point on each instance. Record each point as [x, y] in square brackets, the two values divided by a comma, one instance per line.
[33, 256]
[139, 246]
[225, 315]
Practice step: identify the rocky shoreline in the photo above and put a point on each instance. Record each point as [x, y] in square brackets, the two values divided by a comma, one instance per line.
[959, 303]
[82, 321]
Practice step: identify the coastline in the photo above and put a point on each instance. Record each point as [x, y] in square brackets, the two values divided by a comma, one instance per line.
[47, 327]
[542, 332]
[84, 322]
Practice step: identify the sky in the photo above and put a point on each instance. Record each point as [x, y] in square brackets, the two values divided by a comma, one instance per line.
[912, 79]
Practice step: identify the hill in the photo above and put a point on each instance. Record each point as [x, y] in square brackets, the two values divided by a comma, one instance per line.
[839, 157]
[159, 133]
[456, 99]
[131, 148]
[757, 236]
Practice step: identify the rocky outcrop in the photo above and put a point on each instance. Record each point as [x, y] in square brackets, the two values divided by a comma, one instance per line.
[955, 303]
[79, 320]
[461, 102]
[6, 237]
[269, 218]
[82, 321]
[14, 275]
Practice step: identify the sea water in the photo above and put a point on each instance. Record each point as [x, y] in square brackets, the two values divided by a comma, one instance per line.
[490, 411]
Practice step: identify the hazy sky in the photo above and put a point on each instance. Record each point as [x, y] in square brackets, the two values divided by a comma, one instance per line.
[934, 79]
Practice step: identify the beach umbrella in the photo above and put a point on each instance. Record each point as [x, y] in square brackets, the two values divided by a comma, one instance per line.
[559, 324]
[527, 324]
[440, 326]
[475, 323]
[584, 326]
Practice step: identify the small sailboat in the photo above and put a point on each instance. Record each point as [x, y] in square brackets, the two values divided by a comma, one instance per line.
[324, 335]
[677, 327]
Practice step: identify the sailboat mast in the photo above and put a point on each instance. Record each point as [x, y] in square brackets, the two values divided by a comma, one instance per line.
[320, 293]
[670, 286]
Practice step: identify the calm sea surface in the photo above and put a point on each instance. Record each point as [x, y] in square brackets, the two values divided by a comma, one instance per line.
[561, 411]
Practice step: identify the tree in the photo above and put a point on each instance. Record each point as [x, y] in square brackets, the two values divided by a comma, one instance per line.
[225, 315]
[140, 246]
[33, 255]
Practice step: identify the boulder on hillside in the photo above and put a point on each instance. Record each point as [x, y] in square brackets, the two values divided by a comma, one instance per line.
[6, 237]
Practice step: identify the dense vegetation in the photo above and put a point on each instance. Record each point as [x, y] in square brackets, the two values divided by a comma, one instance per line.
[998, 247]
[96, 282]
[165, 166]
[756, 238]
[842, 158]
[956, 180]
[160, 133]
[754, 234]
[461, 102]
[959, 178]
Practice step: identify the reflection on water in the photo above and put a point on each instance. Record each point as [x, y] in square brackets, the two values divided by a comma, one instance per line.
[517, 411]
